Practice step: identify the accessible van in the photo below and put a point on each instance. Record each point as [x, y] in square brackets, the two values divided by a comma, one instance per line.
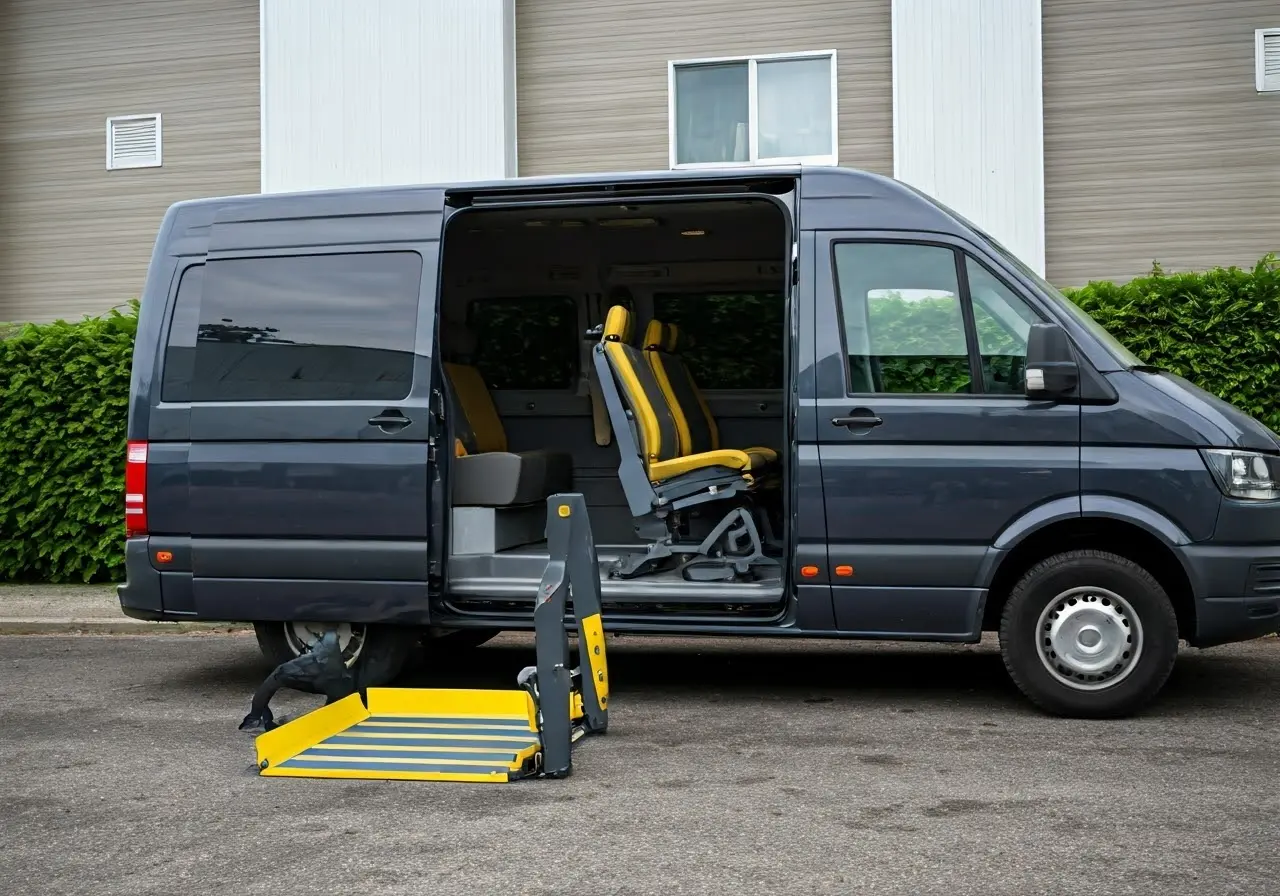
[798, 402]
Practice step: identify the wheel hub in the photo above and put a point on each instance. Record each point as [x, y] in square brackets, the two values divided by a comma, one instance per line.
[1089, 638]
[304, 636]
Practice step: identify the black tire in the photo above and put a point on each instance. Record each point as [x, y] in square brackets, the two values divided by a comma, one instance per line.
[1152, 635]
[381, 658]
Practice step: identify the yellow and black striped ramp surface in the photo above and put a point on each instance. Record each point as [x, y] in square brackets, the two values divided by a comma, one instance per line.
[416, 734]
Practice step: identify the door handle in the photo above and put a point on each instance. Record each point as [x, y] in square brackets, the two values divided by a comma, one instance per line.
[858, 417]
[390, 420]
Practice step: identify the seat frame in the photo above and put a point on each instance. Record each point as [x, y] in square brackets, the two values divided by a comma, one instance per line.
[734, 546]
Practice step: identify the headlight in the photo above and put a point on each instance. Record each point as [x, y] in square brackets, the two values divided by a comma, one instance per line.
[1244, 474]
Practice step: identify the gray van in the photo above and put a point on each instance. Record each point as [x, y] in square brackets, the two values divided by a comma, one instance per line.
[799, 402]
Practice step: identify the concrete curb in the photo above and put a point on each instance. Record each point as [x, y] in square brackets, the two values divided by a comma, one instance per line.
[122, 626]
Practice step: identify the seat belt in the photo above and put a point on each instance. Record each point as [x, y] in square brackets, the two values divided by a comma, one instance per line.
[589, 385]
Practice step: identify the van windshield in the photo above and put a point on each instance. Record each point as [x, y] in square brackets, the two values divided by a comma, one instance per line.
[1127, 358]
[1116, 347]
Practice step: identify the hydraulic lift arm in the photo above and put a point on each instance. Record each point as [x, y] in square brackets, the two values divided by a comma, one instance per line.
[571, 702]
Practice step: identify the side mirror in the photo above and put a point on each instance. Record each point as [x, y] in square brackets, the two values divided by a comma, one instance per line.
[1052, 371]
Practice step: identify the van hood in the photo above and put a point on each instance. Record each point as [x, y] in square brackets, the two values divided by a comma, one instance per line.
[1238, 429]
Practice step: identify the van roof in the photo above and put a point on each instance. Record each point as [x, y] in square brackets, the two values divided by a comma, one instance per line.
[829, 181]
[897, 201]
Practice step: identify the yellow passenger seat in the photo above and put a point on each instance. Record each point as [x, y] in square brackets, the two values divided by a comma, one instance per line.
[666, 488]
[693, 418]
[655, 419]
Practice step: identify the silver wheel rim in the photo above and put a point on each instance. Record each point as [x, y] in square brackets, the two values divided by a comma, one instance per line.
[1089, 638]
[302, 637]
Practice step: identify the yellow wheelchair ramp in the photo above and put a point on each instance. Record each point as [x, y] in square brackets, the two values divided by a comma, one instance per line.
[410, 734]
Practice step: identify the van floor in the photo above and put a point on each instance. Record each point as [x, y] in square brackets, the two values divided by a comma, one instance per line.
[514, 575]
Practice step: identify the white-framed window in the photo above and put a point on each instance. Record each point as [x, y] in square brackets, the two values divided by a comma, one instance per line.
[1266, 60]
[750, 110]
[133, 141]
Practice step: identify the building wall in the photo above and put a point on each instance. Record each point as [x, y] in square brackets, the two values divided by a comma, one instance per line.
[382, 92]
[967, 113]
[1157, 145]
[76, 238]
[592, 76]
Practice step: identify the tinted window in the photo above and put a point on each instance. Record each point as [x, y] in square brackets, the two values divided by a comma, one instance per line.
[319, 327]
[903, 319]
[737, 337]
[526, 343]
[179, 355]
[1002, 321]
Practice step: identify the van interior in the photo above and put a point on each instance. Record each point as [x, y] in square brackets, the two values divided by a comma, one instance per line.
[637, 354]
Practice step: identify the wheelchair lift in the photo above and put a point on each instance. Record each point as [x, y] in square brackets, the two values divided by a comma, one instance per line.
[436, 734]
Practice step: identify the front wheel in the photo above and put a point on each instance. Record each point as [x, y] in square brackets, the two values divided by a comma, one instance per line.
[377, 652]
[1089, 634]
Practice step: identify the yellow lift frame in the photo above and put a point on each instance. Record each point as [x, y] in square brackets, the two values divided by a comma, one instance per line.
[434, 734]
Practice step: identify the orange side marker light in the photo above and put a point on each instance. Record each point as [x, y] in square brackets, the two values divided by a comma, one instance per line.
[164, 556]
[808, 571]
[844, 571]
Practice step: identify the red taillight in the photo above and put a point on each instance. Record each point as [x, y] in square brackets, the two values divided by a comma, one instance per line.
[135, 490]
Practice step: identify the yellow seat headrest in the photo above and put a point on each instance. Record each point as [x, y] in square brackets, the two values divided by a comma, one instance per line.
[617, 325]
[675, 340]
[655, 335]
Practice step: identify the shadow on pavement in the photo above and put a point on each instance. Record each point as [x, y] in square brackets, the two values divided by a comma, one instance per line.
[814, 671]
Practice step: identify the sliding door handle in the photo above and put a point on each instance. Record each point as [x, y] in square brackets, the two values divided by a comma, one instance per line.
[856, 419]
[390, 420]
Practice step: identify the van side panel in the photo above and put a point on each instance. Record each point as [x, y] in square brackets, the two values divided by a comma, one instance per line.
[270, 455]
[1146, 448]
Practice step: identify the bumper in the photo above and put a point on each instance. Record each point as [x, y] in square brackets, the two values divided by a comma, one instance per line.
[141, 595]
[1237, 590]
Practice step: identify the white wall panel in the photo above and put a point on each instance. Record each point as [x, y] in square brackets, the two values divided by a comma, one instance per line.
[373, 92]
[968, 120]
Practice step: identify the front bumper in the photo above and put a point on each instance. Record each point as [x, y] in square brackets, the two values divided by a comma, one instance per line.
[1237, 590]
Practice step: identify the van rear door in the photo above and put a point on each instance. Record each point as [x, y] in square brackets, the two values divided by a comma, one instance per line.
[295, 424]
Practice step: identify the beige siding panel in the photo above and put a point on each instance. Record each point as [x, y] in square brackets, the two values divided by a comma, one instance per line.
[591, 89]
[1157, 146]
[75, 238]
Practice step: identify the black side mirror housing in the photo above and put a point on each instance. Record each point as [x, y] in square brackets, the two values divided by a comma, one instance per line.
[1052, 371]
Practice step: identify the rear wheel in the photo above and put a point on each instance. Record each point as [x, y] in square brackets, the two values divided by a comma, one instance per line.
[1089, 634]
[377, 652]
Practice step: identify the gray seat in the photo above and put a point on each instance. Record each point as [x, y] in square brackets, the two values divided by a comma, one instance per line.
[503, 478]
[485, 472]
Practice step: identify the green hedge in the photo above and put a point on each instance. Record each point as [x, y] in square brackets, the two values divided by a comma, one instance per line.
[1219, 329]
[64, 389]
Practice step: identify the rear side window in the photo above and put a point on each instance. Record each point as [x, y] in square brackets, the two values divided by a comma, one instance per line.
[301, 328]
[530, 342]
[180, 353]
[738, 337]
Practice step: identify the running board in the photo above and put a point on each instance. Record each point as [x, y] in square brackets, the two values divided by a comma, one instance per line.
[485, 736]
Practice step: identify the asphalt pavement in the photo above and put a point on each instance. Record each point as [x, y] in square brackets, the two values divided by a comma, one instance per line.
[731, 766]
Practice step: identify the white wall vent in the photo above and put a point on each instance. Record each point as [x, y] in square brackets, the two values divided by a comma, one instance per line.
[133, 141]
[1266, 59]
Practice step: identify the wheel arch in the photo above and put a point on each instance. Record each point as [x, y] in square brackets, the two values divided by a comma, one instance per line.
[1103, 523]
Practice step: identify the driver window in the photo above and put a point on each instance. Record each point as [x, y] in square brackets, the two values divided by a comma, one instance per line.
[903, 321]
[1002, 321]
